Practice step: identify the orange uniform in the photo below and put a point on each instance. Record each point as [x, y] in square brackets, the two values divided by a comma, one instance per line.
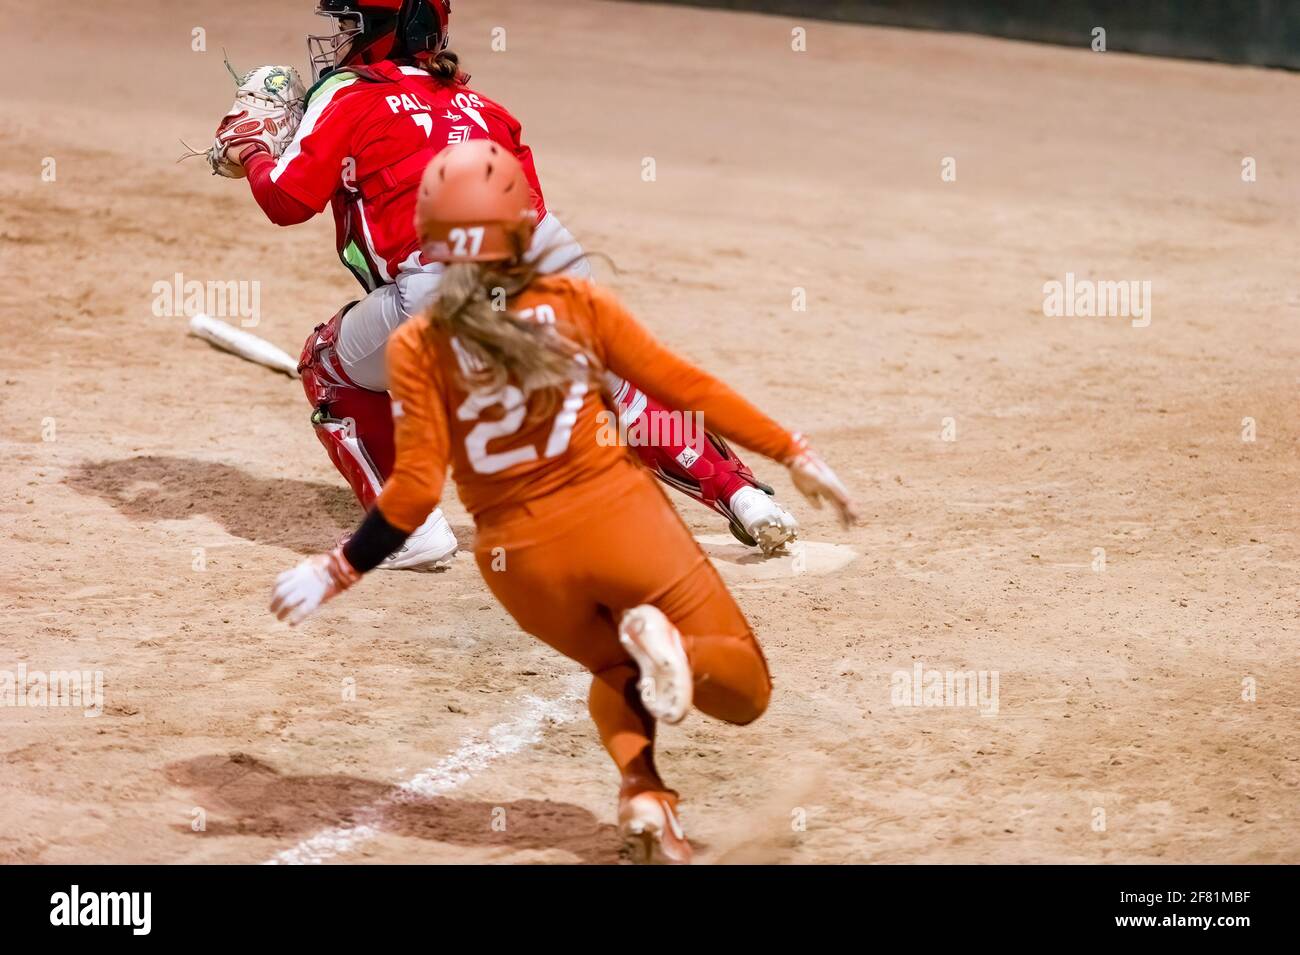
[571, 531]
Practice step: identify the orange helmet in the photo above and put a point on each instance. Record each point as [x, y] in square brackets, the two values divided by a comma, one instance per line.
[474, 205]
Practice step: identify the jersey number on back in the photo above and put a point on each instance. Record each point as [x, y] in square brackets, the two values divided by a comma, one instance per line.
[515, 406]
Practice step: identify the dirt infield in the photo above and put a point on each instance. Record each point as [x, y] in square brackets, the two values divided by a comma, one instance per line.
[1099, 533]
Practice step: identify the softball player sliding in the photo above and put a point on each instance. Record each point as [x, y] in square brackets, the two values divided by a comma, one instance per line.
[387, 97]
[575, 540]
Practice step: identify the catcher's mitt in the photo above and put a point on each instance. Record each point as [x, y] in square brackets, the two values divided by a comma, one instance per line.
[268, 108]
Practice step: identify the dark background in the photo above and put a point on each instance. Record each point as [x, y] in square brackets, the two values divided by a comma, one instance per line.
[1260, 32]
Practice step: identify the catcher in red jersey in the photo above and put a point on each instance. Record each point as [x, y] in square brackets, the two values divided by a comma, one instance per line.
[388, 96]
[575, 540]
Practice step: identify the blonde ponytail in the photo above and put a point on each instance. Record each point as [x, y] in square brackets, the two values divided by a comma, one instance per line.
[502, 347]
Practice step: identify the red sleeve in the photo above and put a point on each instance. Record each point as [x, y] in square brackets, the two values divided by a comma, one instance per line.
[280, 207]
[631, 352]
[311, 169]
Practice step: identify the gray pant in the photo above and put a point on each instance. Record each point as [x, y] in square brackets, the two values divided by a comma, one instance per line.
[366, 327]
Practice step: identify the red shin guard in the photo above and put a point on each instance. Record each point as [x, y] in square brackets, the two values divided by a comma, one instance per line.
[354, 425]
[701, 465]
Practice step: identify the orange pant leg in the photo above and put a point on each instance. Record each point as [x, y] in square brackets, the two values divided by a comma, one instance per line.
[571, 590]
[731, 677]
[548, 601]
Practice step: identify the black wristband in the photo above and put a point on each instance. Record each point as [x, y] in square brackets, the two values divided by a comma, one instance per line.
[375, 540]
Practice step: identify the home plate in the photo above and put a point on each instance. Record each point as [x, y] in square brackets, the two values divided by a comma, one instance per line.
[739, 563]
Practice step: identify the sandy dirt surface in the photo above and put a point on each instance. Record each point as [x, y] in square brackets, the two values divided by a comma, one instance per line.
[153, 486]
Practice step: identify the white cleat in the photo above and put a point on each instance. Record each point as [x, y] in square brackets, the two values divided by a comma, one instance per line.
[653, 642]
[650, 829]
[762, 518]
[432, 544]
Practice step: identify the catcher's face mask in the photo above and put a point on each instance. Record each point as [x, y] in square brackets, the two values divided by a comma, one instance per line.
[354, 33]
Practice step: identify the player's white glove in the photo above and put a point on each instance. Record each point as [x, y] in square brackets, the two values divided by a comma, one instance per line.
[268, 108]
[817, 482]
[300, 592]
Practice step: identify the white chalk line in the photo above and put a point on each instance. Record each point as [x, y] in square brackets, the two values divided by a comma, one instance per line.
[472, 756]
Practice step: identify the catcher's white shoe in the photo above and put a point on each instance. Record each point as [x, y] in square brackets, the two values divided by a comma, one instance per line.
[432, 544]
[651, 830]
[763, 519]
[666, 682]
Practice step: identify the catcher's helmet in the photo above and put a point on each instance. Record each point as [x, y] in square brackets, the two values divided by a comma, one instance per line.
[367, 31]
[474, 205]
